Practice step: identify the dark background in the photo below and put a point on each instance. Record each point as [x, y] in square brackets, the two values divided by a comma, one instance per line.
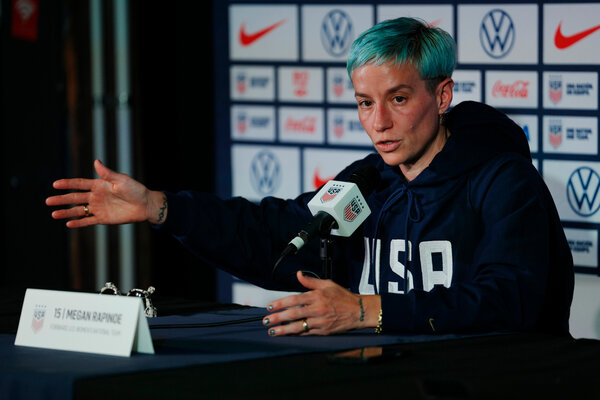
[45, 121]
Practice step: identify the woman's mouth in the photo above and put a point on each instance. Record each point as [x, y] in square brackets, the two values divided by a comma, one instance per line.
[387, 146]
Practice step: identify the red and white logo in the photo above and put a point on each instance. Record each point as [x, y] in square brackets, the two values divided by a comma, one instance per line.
[300, 82]
[516, 89]
[306, 125]
[318, 180]
[352, 210]
[571, 33]
[247, 38]
[37, 322]
[263, 32]
[331, 193]
[562, 41]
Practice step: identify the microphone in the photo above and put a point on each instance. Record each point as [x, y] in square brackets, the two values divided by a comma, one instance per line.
[339, 208]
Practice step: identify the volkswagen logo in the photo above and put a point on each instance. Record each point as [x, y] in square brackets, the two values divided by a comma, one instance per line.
[582, 191]
[265, 173]
[497, 33]
[337, 33]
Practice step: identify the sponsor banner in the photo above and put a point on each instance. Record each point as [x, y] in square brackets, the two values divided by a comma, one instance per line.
[584, 246]
[344, 127]
[252, 83]
[260, 171]
[571, 90]
[300, 84]
[322, 165]
[571, 34]
[570, 135]
[529, 124]
[467, 86]
[498, 34]
[251, 295]
[575, 187]
[514, 89]
[328, 31]
[301, 125]
[441, 16]
[263, 32]
[253, 123]
[339, 86]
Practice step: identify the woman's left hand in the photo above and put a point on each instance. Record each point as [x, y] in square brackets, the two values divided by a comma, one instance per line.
[326, 309]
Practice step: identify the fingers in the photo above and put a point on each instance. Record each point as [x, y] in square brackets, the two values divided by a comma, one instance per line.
[73, 184]
[82, 222]
[104, 172]
[73, 212]
[312, 283]
[303, 327]
[68, 199]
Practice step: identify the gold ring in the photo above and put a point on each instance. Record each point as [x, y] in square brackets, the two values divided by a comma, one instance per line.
[86, 211]
[305, 325]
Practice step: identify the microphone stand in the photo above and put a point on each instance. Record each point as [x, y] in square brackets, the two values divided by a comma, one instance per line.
[325, 253]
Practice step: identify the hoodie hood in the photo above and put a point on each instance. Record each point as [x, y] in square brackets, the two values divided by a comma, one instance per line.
[478, 132]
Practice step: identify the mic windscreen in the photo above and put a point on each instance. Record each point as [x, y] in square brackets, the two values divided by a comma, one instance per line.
[367, 178]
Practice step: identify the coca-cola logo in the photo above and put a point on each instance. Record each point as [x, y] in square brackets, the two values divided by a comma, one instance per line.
[517, 89]
[304, 125]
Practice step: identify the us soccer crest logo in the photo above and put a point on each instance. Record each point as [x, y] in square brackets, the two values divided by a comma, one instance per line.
[330, 194]
[242, 123]
[555, 133]
[240, 83]
[39, 312]
[338, 85]
[352, 210]
[555, 86]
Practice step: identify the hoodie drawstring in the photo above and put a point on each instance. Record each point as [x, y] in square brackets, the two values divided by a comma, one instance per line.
[412, 205]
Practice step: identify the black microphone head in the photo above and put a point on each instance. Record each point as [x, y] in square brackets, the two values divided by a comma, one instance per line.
[367, 178]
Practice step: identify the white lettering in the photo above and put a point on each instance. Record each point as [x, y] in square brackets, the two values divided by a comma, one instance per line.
[436, 265]
[364, 286]
[398, 246]
[443, 274]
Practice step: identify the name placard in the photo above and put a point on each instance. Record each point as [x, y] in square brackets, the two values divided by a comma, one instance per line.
[86, 322]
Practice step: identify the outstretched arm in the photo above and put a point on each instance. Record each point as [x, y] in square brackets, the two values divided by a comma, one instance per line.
[115, 198]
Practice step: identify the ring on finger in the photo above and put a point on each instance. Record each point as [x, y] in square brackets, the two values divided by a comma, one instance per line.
[305, 325]
[86, 211]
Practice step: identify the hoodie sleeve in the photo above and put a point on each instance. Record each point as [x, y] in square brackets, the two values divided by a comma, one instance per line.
[239, 236]
[246, 238]
[522, 275]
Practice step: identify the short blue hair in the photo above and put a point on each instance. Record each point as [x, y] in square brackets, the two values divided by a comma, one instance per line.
[431, 50]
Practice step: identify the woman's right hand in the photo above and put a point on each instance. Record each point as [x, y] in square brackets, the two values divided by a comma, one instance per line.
[114, 198]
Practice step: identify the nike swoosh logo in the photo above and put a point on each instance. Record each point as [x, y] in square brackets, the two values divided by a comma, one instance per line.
[318, 181]
[246, 39]
[562, 42]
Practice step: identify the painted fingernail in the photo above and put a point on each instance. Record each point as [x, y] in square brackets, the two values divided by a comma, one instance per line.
[270, 308]
[266, 321]
[272, 332]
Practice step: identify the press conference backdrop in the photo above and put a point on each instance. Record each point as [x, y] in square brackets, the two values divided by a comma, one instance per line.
[287, 122]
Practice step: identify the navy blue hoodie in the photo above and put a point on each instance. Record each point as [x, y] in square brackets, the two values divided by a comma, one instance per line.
[472, 244]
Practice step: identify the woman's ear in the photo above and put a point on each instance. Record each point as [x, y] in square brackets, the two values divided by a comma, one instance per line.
[445, 92]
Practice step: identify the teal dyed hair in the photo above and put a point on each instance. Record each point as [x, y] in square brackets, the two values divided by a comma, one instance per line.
[431, 50]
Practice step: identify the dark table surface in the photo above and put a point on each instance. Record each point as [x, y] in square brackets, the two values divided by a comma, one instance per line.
[522, 365]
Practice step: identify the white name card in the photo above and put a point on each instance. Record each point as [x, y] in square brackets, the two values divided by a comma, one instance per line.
[86, 322]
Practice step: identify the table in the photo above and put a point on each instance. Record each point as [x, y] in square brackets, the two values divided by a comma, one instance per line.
[241, 361]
